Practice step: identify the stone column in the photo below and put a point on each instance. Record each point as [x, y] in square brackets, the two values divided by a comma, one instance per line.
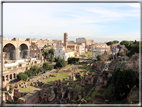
[28, 51]
[17, 53]
[9, 77]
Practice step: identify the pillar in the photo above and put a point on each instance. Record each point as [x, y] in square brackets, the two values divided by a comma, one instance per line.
[15, 76]
[17, 53]
[9, 77]
[28, 51]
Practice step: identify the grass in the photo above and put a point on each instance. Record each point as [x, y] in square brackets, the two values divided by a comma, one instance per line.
[60, 76]
[28, 89]
[87, 68]
[96, 93]
[8, 67]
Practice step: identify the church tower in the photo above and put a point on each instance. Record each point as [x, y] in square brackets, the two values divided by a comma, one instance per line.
[65, 40]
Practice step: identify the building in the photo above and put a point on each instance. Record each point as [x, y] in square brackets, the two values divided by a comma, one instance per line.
[80, 49]
[42, 43]
[99, 49]
[63, 52]
[88, 43]
[16, 48]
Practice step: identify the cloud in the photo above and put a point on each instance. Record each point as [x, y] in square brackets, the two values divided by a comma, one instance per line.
[134, 5]
[78, 20]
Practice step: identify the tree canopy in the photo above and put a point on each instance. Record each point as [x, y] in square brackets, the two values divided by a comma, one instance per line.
[60, 62]
[51, 51]
[112, 42]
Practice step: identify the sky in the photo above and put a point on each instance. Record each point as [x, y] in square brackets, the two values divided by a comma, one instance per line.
[101, 22]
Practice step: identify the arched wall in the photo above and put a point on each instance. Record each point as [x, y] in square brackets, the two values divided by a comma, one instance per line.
[16, 44]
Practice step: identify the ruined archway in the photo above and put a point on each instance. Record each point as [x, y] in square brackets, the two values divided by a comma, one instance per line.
[9, 52]
[23, 50]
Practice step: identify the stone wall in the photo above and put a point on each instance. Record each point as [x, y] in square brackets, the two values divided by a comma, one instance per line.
[33, 99]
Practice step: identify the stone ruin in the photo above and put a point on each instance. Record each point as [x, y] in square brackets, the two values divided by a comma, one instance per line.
[29, 58]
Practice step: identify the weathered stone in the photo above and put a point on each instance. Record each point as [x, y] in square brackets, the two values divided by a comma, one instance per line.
[78, 86]
[68, 84]
[7, 88]
[70, 78]
[79, 96]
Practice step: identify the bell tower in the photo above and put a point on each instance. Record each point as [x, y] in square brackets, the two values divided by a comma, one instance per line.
[65, 40]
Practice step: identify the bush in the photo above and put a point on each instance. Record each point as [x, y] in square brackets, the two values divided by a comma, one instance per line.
[23, 76]
[61, 63]
[40, 69]
[46, 66]
[73, 60]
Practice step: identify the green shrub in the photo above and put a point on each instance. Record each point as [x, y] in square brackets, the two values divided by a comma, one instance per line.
[23, 76]
[8, 67]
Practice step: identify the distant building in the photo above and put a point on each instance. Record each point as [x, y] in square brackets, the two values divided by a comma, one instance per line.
[63, 52]
[99, 49]
[69, 49]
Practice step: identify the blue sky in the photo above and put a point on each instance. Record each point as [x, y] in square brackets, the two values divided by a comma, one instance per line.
[101, 22]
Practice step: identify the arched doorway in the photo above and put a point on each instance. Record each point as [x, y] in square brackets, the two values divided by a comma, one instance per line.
[38, 55]
[9, 52]
[97, 82]
[23, 50]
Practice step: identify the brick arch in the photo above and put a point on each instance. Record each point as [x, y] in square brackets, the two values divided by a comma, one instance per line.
[5, 43]
[25, 43]
[9, 51]
[98, 76]
[22, 44]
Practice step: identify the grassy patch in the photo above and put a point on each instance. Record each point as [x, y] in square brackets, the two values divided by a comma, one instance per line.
[8, 67]
[60, 76]
[28, 89]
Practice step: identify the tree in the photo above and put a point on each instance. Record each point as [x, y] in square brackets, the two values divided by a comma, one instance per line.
[23, 76]
[115, 41]
[135, 49]
[128, 44]
[46, 66]
[45, 55]
[73, 60]
[109, 43]
[112, 42]
[52, 58]
[61, 62]
[51, 51]
[40, 69]
[99, 57]
[45, 46]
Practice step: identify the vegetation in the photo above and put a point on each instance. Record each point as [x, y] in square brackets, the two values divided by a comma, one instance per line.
[112, 42]
[22, 76]
[60, 62]
[134, 49]
[33, 71]
[45, 54]
[73, 60]
[60, 76]
[46, 66]
[120, 84]
[51, 51]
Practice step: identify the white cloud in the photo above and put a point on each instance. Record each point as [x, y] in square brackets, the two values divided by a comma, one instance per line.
[135, 5]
